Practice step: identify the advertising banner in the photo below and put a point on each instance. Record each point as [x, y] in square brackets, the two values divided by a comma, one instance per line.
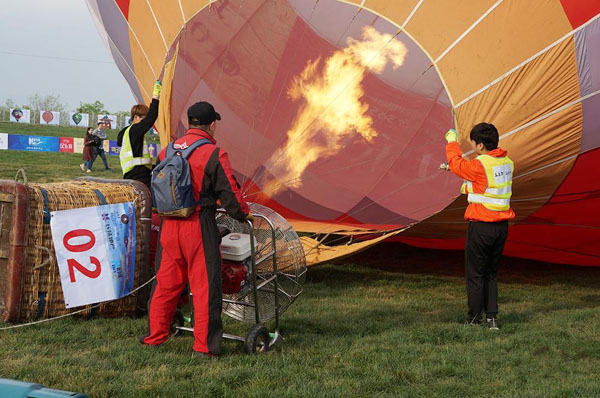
[20, 115]
[3, 141]
[66, 144]
[152, 150]
[78, 145]
[110, 119]
[33, 143]
[114, 149]
[95, 252]
[49, 117]
[79, 119]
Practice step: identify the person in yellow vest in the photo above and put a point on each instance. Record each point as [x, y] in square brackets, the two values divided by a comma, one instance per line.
[488, 186]
[136, 161]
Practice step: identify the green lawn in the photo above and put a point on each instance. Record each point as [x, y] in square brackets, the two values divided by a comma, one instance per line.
[384, 323]
[51, 166]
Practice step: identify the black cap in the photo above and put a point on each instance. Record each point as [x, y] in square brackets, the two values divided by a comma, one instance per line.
[202, 113]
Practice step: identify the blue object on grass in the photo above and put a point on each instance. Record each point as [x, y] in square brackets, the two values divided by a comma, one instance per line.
[20, 389]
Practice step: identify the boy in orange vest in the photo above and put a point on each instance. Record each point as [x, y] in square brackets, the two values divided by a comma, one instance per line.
[488, 183]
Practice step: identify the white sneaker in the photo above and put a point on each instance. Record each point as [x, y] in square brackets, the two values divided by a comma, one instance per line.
[82, 167]
[88, 171]
[492, 323]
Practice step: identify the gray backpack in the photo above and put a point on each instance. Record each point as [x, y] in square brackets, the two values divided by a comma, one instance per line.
[171, 185]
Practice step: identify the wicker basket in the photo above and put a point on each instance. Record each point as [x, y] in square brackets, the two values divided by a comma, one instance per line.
[30, 285]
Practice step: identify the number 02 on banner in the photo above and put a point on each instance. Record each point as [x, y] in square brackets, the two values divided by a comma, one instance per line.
[95, 251]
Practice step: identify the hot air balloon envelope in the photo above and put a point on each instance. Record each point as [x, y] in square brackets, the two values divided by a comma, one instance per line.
[333, 112]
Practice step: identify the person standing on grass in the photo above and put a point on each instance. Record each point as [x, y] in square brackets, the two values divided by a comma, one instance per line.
[488, 184]
[136, 161]
[189, 248]
[88, 151]
[100, 135]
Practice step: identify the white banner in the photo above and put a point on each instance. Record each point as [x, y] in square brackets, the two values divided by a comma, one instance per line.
[95, 252]
[49, 117]
[78, 145]
[79, 119]
[20, 115]
[3, 141]
[110, 119]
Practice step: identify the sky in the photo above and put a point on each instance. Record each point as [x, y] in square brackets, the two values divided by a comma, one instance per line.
[53, 48]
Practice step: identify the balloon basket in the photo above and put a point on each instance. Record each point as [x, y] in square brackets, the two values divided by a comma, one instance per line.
[30, 283]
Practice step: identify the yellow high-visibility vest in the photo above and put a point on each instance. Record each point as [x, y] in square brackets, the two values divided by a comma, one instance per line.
[128, 161]
[499, 172]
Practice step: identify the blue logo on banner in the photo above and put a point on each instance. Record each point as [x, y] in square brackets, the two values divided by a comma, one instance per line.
[119, 231]
[114, 149]
[33, 143]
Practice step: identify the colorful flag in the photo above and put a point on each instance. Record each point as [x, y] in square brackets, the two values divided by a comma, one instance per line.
[79, 119]
[20, 115]
[49, 117]
[110, 119]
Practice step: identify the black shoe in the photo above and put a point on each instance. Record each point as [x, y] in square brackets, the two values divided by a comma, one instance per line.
[204, 355]
[142, 338]
[492, 324]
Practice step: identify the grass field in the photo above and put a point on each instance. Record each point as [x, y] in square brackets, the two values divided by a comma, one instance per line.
[384, 323]
[51, 166]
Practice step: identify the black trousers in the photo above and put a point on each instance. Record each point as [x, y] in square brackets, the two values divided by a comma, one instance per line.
[485, 242]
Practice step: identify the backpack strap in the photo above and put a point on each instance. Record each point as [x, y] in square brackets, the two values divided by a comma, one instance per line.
[170, 150]
[185, 153]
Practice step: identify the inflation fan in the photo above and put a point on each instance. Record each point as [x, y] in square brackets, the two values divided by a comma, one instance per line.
[260, 280]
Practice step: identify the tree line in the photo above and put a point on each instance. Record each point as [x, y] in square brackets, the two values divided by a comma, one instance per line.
[37, 102]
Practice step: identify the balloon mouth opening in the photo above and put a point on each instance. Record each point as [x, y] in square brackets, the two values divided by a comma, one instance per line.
[328, 118]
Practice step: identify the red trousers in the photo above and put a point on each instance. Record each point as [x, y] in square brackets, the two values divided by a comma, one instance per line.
[188, 252]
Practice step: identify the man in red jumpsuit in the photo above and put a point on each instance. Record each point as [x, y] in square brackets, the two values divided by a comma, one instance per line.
[189, 247]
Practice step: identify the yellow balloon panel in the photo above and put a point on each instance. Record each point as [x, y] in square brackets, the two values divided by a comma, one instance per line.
[550, 140]
[170, 18]
[501, 41]
[542, 86]
[143, 73]
[394, 11]
[191, 7]
[438, 23]
[146, 30]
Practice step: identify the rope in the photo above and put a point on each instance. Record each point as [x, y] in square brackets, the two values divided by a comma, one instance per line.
[23, 174]
[47, 260]
[76, 312]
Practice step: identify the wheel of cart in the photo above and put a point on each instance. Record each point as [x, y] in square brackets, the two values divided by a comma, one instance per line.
[260, 280]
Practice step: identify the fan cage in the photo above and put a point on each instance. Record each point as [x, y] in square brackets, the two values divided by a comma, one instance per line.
[290, 263]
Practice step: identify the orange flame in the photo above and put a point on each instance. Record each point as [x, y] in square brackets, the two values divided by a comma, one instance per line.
[332, 108]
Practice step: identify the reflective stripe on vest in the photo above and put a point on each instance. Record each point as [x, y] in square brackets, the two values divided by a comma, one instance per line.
[128, 161]
[499, 172]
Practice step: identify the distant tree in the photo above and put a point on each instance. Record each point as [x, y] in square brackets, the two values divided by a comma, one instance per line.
[93, 108]
[48, 103]
[122, 113]
[10, 103]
